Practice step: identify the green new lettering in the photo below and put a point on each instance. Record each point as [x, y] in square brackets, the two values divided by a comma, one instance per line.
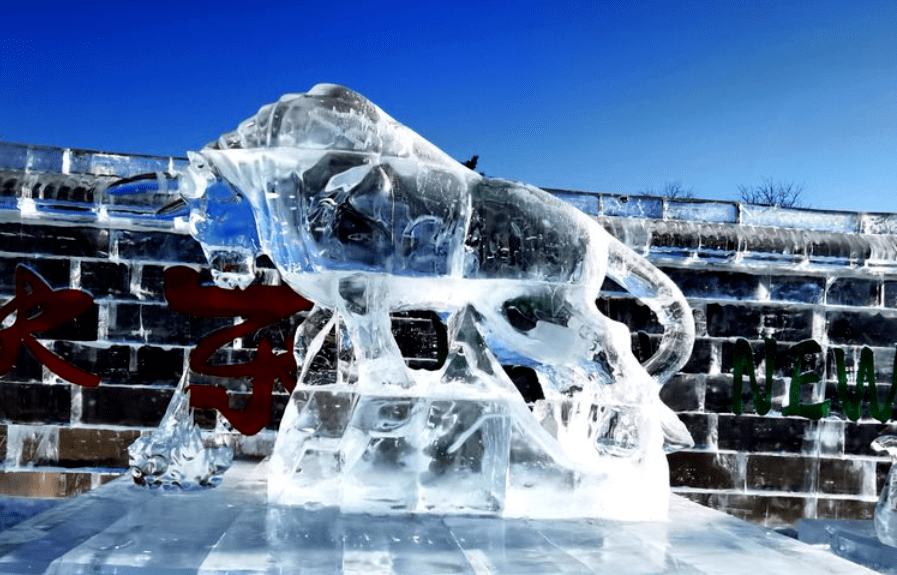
[799, 378]
[883, 412]
[852, 402]
[744, 359]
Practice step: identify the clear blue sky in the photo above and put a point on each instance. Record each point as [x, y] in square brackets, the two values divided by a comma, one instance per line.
[603, 96]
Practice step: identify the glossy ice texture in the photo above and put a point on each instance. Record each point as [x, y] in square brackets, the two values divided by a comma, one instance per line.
[173, 455]
[364, 217]
[120, 528]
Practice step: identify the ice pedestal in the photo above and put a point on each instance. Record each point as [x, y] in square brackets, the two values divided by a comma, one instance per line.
[448, 456]
[121, 528]
[399, 453]
[462, 440]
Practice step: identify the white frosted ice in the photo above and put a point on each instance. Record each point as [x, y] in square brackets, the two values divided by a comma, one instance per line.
[364, 217]
[41, 442]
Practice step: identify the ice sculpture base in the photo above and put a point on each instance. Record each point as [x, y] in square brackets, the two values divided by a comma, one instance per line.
[120, 528]
[340, 450]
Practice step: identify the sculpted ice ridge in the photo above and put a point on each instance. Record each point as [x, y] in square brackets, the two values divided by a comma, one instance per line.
[364, 217]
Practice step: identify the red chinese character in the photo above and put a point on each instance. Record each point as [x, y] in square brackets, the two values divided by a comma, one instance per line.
[260, 306]
[38, 308]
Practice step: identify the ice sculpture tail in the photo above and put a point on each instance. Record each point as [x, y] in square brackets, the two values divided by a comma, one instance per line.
[647, 283]
[644, 281]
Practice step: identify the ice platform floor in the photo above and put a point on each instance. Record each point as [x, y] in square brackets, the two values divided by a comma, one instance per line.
[120, 528]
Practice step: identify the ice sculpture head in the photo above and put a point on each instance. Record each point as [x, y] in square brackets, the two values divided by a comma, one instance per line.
[223, 222]
[333, 183]
[364, 217]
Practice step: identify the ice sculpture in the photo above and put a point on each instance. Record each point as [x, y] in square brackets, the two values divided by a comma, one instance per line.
[364, 217]
[173, 455]
[886, 508]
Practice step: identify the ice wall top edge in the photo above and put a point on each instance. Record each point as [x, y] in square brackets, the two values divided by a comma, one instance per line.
[728, 212]
[769, 247]
[54, 160]
[31, 158]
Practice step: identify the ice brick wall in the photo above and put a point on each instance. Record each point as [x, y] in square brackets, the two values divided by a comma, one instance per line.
[56, 219]
[57, 439]
[789, 276]
[749, 272]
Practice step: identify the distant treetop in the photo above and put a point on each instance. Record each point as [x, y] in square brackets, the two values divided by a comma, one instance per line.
[671, 190]
[771, 193]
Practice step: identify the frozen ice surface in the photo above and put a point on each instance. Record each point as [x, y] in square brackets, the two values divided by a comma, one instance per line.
[173, 455]
[14, 510]
[121, 528]
[851, 539]
[364, 217]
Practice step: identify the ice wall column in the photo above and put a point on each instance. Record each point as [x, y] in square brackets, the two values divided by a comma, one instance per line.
[362, 216]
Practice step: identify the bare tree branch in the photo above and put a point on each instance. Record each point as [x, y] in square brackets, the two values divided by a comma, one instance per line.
[674, 190]
[671, 190]
[770, 193]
